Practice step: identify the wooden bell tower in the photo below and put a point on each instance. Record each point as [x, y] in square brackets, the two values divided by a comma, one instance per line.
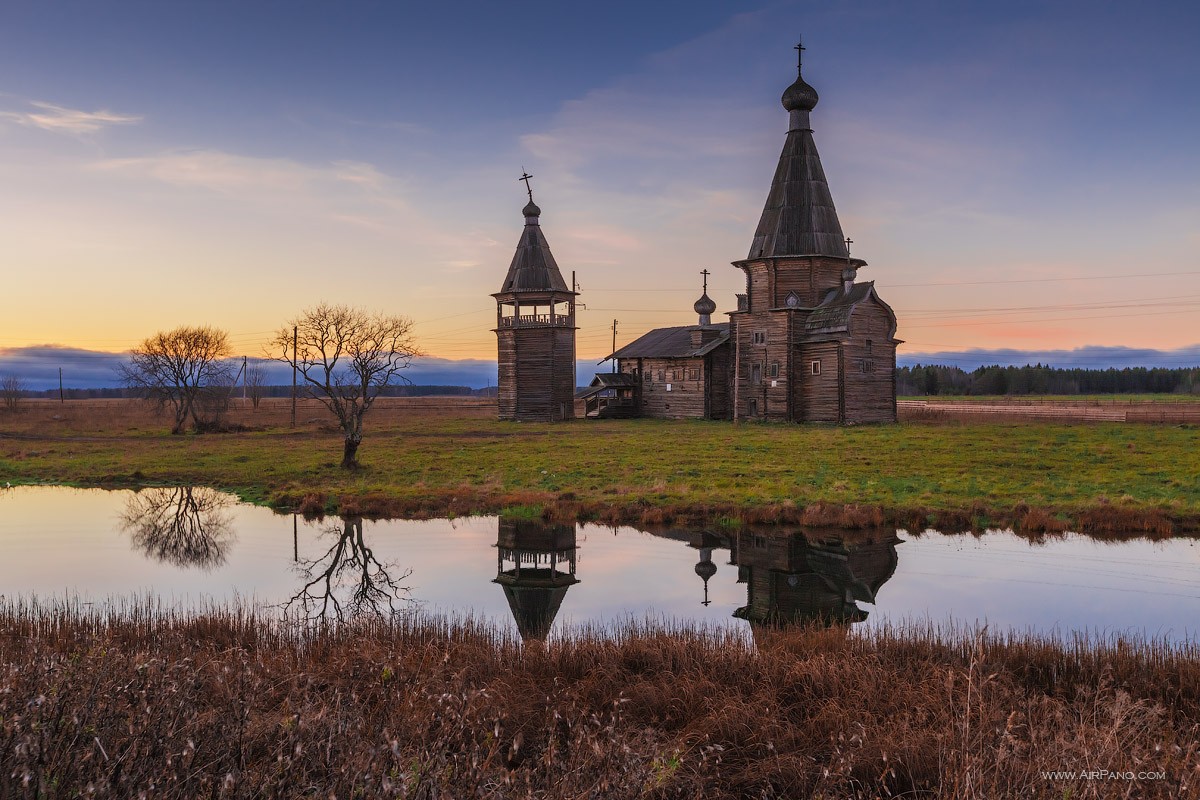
[535, 331]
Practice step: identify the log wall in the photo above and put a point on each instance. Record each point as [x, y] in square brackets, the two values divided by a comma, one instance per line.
[536, 381]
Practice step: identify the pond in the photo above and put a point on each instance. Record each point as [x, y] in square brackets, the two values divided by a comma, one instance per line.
[190, 547]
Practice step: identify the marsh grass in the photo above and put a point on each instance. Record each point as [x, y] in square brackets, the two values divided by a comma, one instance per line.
[440, 457]
[118, 701]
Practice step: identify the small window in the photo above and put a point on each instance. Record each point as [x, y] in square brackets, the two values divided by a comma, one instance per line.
[646, 377]
[792, 300]
[756, 374]
[661, 376]
[758, 337]
[867, 365]
[868, 347]
[774, 370]
[695, 374]
[752, 408]
[816, 368]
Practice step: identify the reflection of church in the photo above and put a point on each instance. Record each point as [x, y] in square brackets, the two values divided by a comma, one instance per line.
[535, 564]
[811, 576]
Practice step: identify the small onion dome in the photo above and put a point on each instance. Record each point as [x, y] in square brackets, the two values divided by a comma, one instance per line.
[799, 96]
[531, 210]
[706, 569]
[849, 274]
[705, 305]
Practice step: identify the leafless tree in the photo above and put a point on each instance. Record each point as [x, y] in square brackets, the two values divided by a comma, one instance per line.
[256, 383]
[348, 580]
[183, 525]
[185, 369]
[346, 356]
[12, 391]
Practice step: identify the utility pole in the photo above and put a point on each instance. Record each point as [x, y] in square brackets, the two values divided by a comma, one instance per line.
[574, 348]
[614, 364]
[61, 400]
[295, 337]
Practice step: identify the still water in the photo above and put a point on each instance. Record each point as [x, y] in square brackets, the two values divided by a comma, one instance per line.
[192, 547]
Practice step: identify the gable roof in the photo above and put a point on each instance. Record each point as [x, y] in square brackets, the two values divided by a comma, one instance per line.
[833, 314]
[671, 343]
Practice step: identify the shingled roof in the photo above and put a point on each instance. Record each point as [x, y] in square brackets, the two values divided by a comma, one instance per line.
[671, 343]
[533, 268]
[799, 218]
[833, 314]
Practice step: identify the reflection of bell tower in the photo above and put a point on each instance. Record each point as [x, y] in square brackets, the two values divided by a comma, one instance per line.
[811, 576]
[535, 564]
[535, 331]
[705, 568]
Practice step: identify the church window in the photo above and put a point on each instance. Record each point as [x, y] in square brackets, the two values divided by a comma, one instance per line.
[792, 300]
[868, 347]
[752, 408]
[774, 371]
[695, 374]
[661, 376]
[867, 365]
[816, 367]
[756, 374]
[758, 337]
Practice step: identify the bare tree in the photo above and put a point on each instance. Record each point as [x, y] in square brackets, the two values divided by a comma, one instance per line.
[184, 369]
[188, 526]
[348, 580]
[256, 383]
[12, 390]
[346, 356]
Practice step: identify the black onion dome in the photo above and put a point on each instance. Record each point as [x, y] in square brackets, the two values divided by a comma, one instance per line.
[706, 569]
[800, 96]
[531, 210]
[705, 305]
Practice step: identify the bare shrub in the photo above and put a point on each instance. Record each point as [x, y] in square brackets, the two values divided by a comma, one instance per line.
[256, 384]
[185, 370]
[12, 391]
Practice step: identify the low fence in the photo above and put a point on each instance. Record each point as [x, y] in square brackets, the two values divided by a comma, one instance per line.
[1131, 411]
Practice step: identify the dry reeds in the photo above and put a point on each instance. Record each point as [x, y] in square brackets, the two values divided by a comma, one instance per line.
[225, 704]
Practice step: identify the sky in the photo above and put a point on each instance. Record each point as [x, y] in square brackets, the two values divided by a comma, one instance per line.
[1019, 178]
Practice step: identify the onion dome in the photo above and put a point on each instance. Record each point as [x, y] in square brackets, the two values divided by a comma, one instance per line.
[531, 209]
[799, 96]
[705, 305]
[706, 569]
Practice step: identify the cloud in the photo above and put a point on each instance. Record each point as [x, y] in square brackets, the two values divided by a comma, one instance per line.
[59, 119]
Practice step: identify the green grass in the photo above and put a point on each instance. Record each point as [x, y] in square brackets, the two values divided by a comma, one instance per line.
[654, 470]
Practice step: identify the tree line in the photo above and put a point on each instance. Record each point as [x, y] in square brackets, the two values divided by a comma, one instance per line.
[938, 379]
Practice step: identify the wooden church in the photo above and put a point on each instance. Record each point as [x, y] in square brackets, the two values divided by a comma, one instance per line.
[807, 342]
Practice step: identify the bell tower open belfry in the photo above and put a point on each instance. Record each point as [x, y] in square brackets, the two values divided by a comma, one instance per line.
[535, 331]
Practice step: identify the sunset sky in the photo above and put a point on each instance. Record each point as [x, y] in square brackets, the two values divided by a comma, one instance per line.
[1021, 176]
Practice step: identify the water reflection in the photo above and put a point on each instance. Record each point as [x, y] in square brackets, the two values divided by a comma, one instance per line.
[812, 576]
[535, 565]
[188, 526]
[348, 579]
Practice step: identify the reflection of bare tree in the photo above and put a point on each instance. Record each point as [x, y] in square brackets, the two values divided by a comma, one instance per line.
[188, 526]
[348, 580]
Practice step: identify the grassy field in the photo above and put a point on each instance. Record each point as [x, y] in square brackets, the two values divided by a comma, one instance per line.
[132, 703]
[1069, 399]
[444, 456]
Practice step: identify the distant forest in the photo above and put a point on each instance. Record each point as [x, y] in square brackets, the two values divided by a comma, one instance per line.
[1038, 379]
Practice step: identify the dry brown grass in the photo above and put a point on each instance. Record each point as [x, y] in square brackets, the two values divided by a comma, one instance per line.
[226, 705]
